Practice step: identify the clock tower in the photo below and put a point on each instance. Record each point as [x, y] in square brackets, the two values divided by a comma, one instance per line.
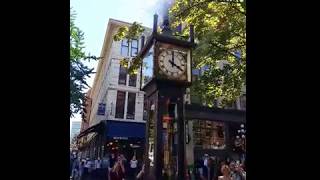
[166, 73]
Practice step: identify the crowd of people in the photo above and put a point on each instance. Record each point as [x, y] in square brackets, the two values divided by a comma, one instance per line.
[113, 167]
[117, 167]
[209, 168]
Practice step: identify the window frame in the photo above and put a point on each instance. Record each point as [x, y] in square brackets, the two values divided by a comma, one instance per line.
[131, 80]
[121, 69]
[124, 45]
[118, 104]
[133, 105]
[136, 48]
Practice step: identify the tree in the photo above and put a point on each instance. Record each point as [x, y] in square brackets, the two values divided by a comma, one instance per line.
[220, 34]
[79, 72]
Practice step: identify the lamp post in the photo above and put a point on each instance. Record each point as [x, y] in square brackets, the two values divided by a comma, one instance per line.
[241, 140]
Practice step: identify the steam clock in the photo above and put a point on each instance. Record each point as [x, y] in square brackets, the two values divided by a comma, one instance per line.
[166, 73]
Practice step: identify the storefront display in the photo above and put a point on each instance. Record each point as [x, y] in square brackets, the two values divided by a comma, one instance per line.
[209, 134]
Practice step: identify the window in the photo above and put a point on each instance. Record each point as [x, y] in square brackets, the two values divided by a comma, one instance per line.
[120, 104]
[134, 47]
[132, 80]
[125, 47]
[147, 68]
[122, 75]
[131, 105]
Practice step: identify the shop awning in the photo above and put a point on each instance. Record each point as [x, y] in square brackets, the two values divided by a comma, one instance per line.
[95, 128]
[116, 129]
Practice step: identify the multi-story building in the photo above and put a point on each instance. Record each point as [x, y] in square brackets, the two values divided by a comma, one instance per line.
[116, 99]
[75, 129]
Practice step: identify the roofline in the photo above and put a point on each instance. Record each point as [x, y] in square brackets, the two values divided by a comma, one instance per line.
[112, 23]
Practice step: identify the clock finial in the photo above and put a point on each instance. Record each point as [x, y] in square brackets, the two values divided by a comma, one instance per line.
[166, 26]
[155, 23]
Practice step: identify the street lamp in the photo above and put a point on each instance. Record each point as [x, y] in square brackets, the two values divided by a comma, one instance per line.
[241, 140]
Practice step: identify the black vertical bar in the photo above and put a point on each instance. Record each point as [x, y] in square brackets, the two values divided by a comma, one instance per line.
[147, 135]
[155, 24]
[181, 137]
[159, 142]
[191, 33]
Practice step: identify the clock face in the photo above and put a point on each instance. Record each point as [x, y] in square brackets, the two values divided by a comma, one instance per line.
[172, 63]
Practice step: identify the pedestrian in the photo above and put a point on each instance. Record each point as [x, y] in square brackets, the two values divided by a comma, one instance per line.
[71, 164]
[105, 168]
[133, 167]
[207, 172]
[97, 164]
[85, 175]
[75, 168]
[126, 165]
[221, 163]
[205, 159]
[118, 171]
[81, 168]
[198, 166]
[226, 173]
[237, 172]
[112, 160]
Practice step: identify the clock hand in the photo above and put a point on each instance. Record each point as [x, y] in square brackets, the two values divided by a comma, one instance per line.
[173, 57]
[178, 67]
[174, 64]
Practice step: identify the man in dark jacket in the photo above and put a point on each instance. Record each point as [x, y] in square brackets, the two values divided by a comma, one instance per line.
[207, 172]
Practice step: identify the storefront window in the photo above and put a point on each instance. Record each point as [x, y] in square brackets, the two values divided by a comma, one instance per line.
[209, 134]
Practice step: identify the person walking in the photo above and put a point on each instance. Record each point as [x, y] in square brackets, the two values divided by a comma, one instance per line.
[71, 165]
[97, 164]
[75, 168]
[81, 169]
[133, 167]
[118, 171]
[112, 161]
[207, 172]
[85, 175]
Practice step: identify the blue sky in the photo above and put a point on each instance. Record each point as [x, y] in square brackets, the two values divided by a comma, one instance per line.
[92, 18]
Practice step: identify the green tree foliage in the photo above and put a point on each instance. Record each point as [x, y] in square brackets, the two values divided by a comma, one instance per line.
[78, 70]
[220, 34]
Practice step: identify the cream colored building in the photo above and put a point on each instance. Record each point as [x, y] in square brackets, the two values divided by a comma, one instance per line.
[106, 83]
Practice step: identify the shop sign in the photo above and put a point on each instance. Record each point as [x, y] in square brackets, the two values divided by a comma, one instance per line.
[121, 138]
[101, 109]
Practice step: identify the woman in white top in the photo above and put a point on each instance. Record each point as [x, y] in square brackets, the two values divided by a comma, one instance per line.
[133, 166]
